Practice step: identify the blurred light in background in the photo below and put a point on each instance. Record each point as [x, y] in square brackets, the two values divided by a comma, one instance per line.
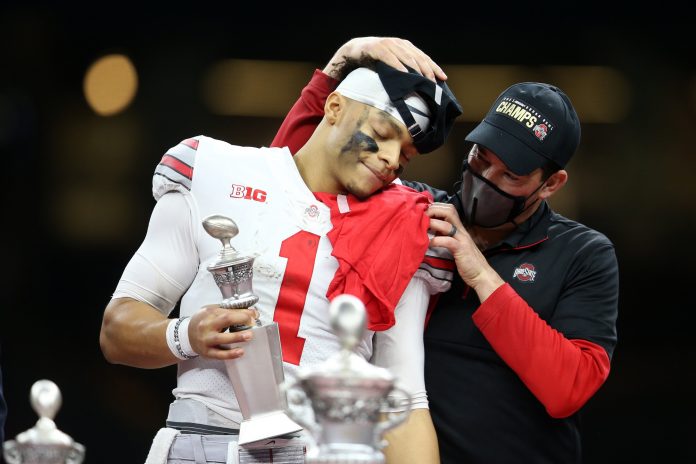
[253, 87]
[269, 88]
[110, 84]
[91, 205]
[94, 162]
[599, 94]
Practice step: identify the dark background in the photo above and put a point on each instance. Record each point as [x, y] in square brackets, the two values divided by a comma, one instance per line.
[77, 186]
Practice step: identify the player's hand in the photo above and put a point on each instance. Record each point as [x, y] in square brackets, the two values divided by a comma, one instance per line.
[471, 264]
[208, 331]
[393, 51]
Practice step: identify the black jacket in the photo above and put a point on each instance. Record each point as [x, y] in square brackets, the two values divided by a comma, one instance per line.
[482, 411]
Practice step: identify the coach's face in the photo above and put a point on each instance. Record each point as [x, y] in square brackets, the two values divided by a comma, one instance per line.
[494, 196]
[486, 164]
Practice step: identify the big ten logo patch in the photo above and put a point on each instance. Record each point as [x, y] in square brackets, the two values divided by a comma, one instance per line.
[248, 193]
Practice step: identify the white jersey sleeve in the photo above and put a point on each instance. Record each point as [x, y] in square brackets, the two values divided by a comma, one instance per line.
[400, 349]
[167, 261]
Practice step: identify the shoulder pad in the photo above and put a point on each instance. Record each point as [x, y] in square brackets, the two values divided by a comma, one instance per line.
[175, 169]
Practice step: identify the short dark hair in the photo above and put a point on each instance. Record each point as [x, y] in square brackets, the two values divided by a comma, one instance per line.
[348, 65]
[549, 169]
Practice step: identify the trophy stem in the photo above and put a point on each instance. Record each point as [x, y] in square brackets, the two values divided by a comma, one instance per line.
[258, 375]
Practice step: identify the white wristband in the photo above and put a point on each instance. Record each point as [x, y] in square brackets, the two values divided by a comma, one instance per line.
[178, 338]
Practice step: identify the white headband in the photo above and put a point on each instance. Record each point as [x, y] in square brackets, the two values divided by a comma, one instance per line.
[363, 85]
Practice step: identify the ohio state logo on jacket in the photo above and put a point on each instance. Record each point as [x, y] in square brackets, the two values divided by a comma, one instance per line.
[525, 273]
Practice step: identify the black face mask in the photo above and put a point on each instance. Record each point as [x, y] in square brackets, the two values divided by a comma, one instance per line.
[485, 205]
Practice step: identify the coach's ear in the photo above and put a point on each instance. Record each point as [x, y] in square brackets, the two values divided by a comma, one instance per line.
[553, 184]
[334, 107]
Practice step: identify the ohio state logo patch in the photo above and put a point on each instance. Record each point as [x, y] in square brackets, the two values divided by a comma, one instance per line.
[540, 131]
[312, 211]
[525, 273]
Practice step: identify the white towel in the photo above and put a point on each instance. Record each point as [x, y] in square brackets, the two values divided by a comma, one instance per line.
[159, 451]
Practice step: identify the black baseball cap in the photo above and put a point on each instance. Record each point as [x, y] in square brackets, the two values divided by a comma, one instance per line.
[530, 125]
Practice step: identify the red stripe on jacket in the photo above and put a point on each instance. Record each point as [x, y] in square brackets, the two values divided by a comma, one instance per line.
[561, 373]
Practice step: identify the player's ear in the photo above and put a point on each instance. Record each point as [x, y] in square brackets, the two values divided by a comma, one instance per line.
[334, 107]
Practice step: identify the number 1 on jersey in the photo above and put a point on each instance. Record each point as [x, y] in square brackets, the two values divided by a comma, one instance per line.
[301, 251]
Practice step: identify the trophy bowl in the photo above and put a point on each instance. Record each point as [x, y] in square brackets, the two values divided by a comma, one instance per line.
[44, 443]
[345, 402]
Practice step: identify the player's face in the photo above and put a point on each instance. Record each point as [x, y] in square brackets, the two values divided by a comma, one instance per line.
[374, 148]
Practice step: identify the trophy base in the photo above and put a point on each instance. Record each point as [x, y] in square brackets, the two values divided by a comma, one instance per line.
[266, 426]
[344, 453]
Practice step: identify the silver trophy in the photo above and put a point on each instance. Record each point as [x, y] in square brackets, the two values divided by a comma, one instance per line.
[44, 443]
[257, 377]
[342, 402]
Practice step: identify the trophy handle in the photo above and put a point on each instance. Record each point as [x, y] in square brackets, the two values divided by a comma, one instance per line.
[11, 452]
[76, 454]
[393, 419]
[299, 409]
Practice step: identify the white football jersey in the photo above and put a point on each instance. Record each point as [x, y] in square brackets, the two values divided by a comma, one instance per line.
[284, 227]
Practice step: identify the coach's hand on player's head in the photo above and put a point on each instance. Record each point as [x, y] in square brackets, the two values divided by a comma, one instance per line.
[208, 333]
[397, 53]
